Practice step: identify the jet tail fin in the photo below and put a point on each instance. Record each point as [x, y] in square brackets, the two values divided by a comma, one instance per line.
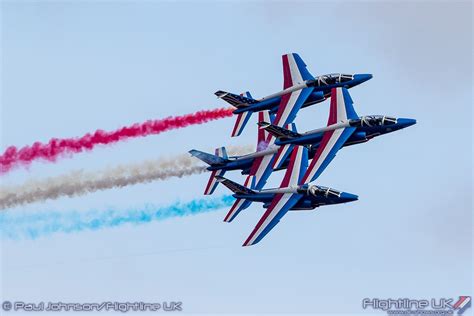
[280, 132]
[220, 158]
[341, 107]
[210, 159]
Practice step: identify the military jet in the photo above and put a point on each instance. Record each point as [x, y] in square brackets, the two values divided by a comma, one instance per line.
[300, 89]
[343, 122]
[344, 128]
[292, 194]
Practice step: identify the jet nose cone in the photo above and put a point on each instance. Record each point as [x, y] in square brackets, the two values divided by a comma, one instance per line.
[362, 77]
[348, 197]
[405, 122]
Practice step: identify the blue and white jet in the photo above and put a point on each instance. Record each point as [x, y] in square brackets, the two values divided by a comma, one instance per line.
[294, 193]
[344, 128]
[300, 89]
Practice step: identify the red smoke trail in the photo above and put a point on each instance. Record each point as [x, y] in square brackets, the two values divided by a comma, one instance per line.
[57, 147]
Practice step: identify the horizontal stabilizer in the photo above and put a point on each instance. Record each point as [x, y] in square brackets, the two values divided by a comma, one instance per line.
[234, 99]
[234, 187]
[208, 158]
[277, 131]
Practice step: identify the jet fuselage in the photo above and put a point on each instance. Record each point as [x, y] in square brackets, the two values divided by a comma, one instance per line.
[372, 126]
[367, 127]
[312, 197]
[322, 90]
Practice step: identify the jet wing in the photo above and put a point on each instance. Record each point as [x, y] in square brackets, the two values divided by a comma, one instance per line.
[331, 143]
[341, 109]
[294, 72]
[238, 206]
[282, 202]
[261, 169]
[234, 187]
[289, 106]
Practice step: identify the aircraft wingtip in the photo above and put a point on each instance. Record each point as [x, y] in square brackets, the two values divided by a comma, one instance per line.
[220, 94]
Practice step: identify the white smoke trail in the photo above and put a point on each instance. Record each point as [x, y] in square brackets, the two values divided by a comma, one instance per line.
[80, 182]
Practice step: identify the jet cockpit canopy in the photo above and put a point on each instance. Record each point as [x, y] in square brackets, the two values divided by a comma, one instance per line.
[317, 190]
[377, 120]
[331, 79]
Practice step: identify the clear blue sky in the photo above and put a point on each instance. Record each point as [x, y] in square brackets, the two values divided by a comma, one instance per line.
[70, 68]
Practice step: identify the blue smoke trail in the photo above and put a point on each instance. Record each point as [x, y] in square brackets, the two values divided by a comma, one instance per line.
[33, 225]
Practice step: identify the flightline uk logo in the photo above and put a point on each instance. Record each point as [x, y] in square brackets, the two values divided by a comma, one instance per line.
[405, 306]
